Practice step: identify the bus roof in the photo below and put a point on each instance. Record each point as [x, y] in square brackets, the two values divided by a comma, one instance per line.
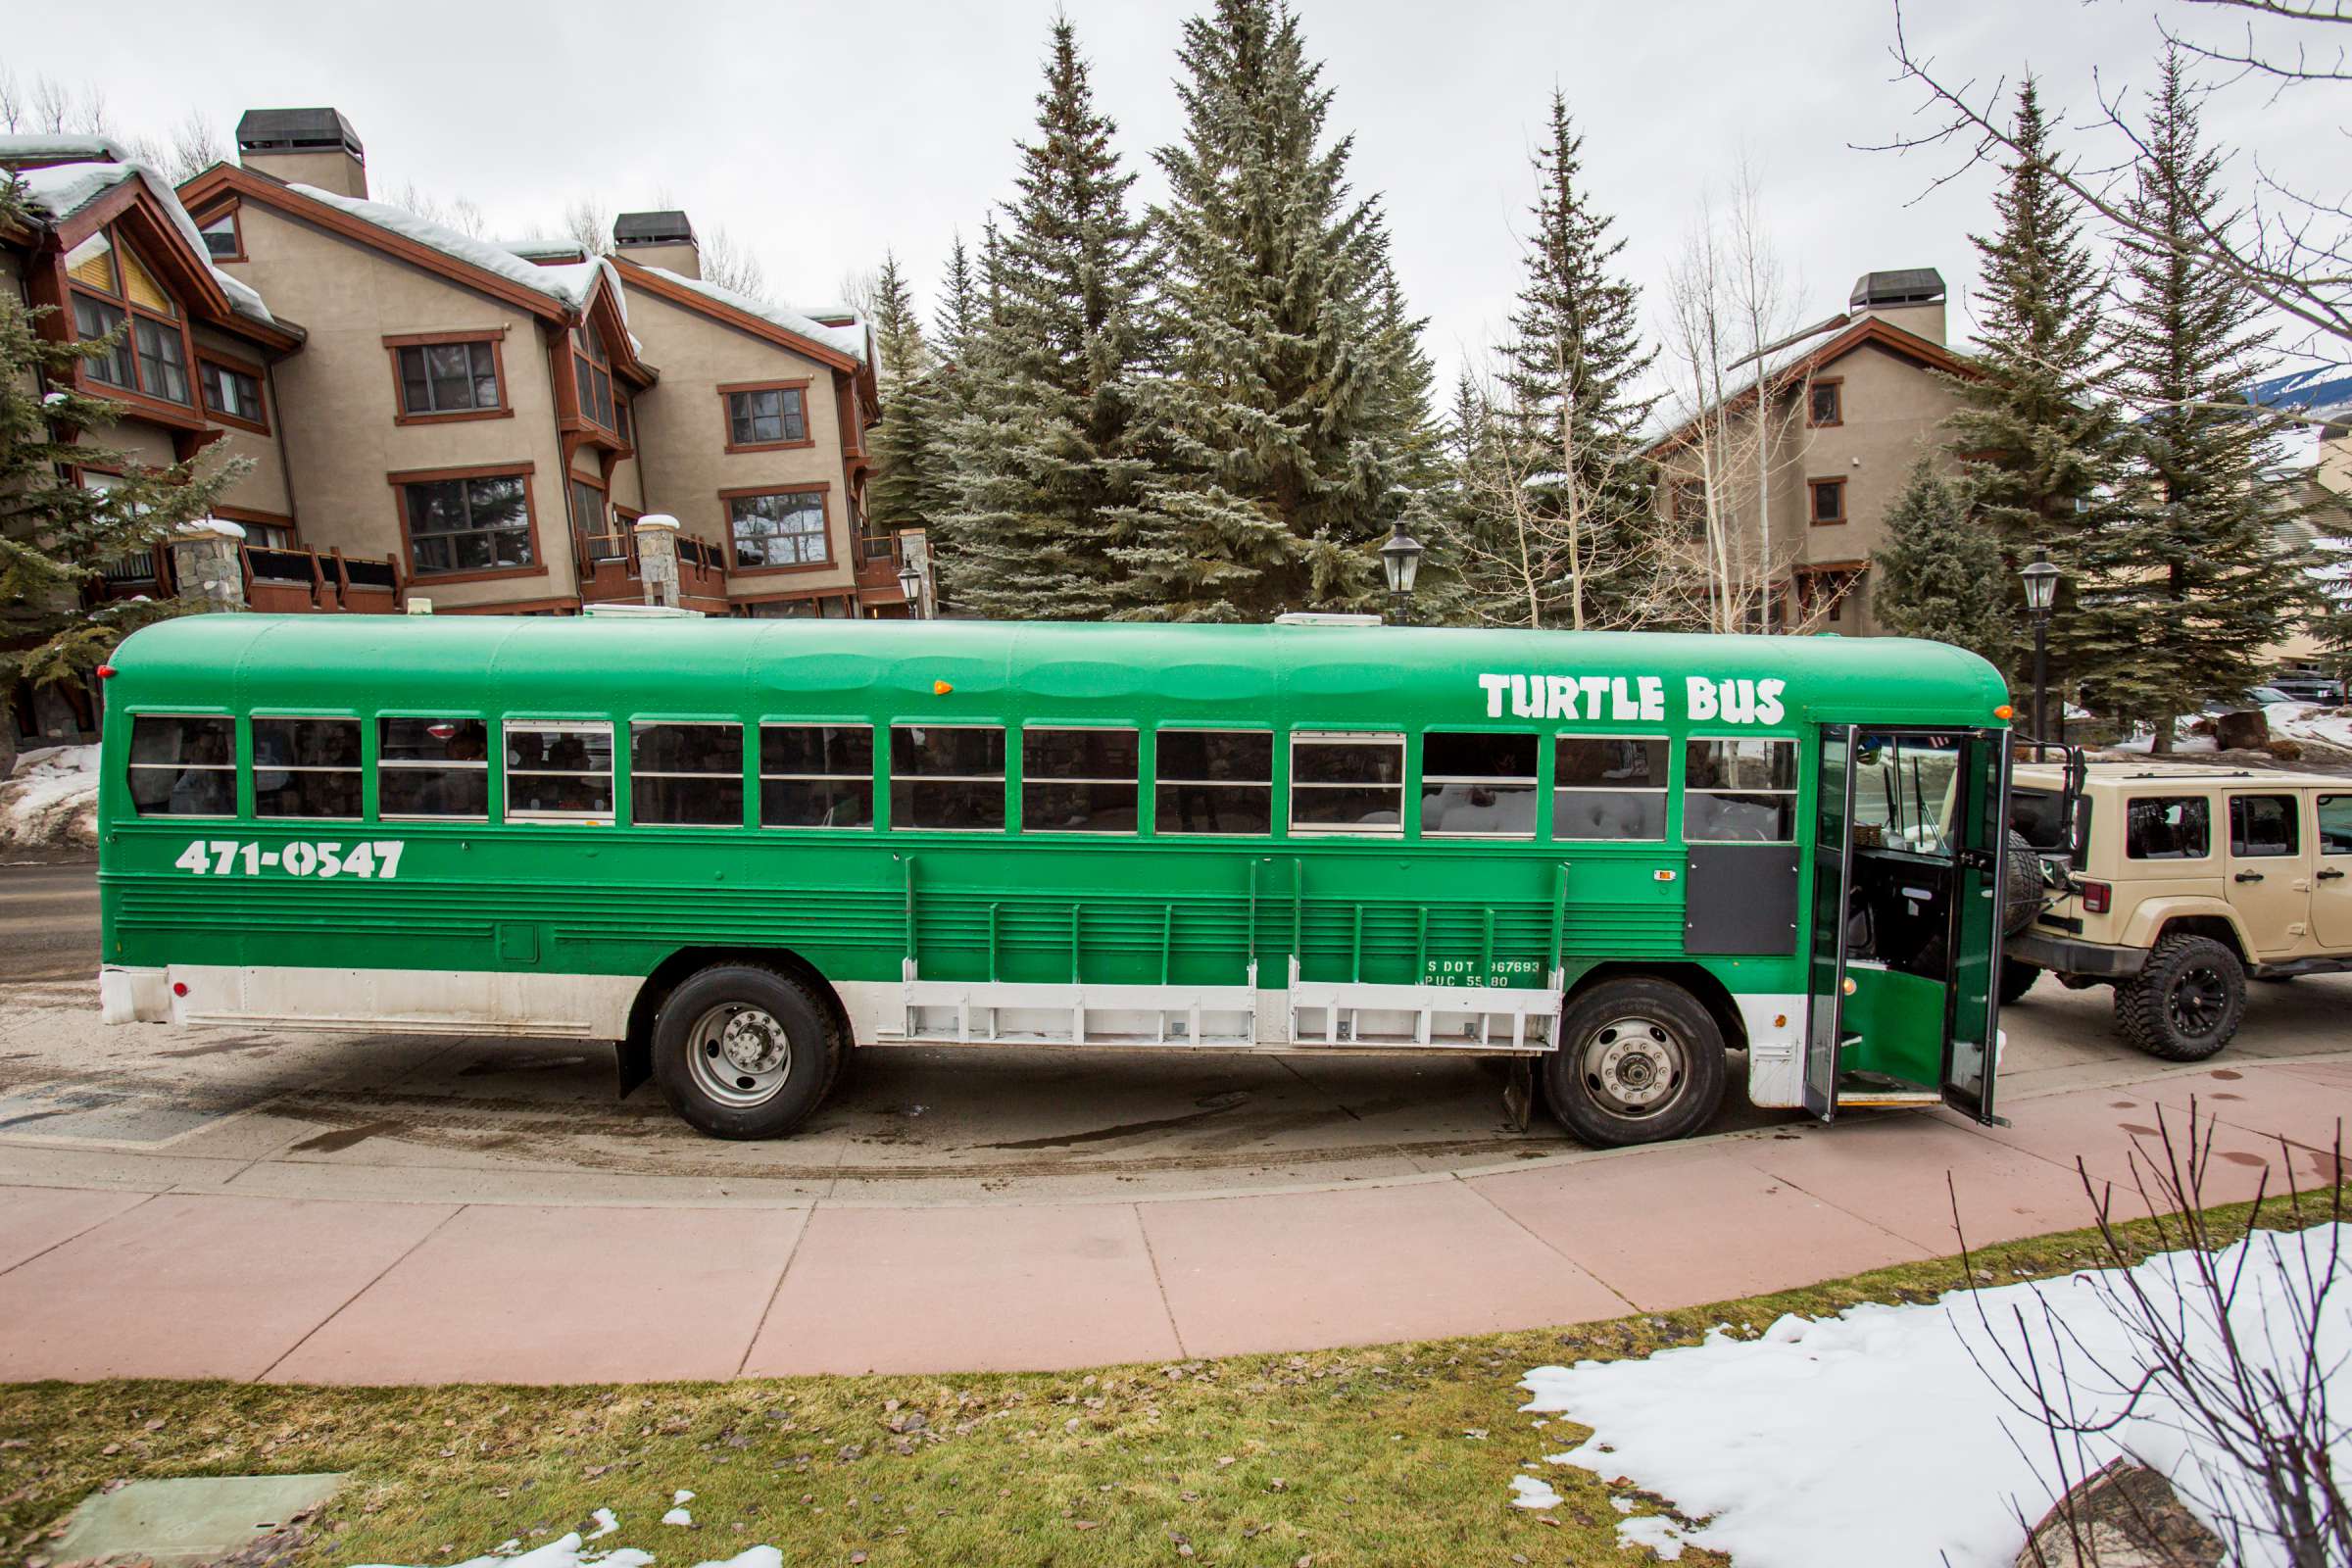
[988, 672]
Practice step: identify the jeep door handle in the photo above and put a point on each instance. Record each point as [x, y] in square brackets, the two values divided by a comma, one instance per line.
[2249, 876]
[2329, 875]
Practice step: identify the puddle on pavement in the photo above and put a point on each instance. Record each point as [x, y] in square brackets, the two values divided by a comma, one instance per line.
[113, 1115]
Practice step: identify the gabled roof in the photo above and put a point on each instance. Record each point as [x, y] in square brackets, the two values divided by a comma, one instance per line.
[554, 294]
[75, 199]
[1858, 332]
[842, 348]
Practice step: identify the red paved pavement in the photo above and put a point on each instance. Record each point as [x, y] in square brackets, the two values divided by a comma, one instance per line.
[195, 1282]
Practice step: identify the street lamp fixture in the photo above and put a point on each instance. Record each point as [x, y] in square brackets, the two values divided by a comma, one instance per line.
[1401, 559]
[910, 583]
[2042, 591]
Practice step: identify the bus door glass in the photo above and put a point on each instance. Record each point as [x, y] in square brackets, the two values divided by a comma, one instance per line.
[1833, 882]
[1980, 827]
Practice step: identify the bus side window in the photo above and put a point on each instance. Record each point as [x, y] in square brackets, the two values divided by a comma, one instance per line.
[686, 774]
[183, 766]
[306, 767]
[948, 777]
[1346, 781]
[816, 775]
[1478, 786]
[1740, 790]
[432, 767]
[1214, 781]
[558, 771]
[1079, 780]
[1608, 787]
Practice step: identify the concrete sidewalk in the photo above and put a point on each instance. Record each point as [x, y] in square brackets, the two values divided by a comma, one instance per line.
[197, 1282]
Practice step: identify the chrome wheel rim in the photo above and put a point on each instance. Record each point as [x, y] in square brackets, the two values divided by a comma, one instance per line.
[1634, 1066]
[2199, 1001]
[739, 1054]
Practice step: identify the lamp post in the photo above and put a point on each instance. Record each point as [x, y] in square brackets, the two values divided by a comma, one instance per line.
[910, 583]
[2041, 590]
[1401, 559]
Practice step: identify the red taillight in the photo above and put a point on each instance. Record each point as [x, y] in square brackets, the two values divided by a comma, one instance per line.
[2096, 897]
[180, 988]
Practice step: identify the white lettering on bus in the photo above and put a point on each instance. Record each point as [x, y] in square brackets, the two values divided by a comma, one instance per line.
[1633, 699]
[371, 859]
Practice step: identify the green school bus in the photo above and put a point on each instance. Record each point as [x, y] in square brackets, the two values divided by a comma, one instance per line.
[741, 848]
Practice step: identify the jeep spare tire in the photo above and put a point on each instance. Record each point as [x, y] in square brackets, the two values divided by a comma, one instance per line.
[2024, 893]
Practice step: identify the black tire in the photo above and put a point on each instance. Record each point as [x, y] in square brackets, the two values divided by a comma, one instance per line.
[2025, 892]
[2017, 978]
[714, 1088]
[1668, 1037]
[2186, 1003]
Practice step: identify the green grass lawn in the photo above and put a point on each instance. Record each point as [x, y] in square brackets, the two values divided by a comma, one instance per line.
[1399, 1454]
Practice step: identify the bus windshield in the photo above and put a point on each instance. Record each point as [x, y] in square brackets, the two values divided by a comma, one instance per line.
[1903, 788]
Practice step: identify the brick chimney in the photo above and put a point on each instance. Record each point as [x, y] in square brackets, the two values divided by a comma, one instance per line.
[1911, 298]
[304, 147]
[658, 239]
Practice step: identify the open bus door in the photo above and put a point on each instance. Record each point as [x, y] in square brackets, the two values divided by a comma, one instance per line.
[1981, 826]
[1833, 887]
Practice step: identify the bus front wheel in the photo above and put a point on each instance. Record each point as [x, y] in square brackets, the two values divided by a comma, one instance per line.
[741, 1050]
[1640, 1061]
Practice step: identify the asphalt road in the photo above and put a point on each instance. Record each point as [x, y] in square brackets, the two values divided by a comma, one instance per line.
[906, 1125]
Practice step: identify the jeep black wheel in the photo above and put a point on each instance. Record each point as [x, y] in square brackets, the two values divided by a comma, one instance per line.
[2017, 978]
[2185, 1004]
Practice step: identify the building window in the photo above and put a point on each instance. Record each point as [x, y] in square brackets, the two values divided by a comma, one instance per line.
[686, 774]
[1214, 781]
[152, 357]
[1821, 596]
[233, 394]
[778, 528]
[221, 241]
[432, 767]
[449, 379]
[1824, 404]
[1079, 780]
[94, 320]
[1608, 787]
[1828, 501]
[558, 771]
[478, 524]
[1478, 786]
[183, 766]
[599, 538]
[163, 359]
[816, 775]
[306, 767]
[621, 416]
[1687, 503]
[1740, 791]
[592, 372]
[767, 416]
[1346, 781]
[948, 777]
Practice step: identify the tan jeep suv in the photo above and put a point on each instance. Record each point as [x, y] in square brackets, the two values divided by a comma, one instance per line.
[2175, 884]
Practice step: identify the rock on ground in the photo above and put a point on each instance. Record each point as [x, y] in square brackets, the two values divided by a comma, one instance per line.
[2126, 1516]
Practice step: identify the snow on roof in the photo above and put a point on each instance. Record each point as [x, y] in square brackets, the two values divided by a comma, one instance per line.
[32, 149]
[849, 340]
[63, 189]
[533, 248]
[1673, 411]
[569, 286]
[2321, 392]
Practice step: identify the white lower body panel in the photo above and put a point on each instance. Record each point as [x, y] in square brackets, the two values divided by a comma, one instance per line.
[411, 1002]
[1776, 1048]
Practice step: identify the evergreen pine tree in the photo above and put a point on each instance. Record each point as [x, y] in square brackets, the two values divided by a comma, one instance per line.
[1287, 408]
[1573, 407]
[898, 330]
[1050, 461]
[56, 538]
[1940, 576]
[2193, 583]
[933, 406]
[2039, 444]
[903, 493]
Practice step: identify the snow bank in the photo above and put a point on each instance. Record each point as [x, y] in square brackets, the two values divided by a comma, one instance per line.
[51, 801]
[2306, 722]
[1874, 1437]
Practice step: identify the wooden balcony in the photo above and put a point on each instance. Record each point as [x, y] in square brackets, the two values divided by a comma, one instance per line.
[879, 558]
[279, 581]
[607, 569]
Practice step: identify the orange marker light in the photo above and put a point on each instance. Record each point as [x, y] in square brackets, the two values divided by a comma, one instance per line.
[2004, 712]
[940, 688]
[104, 672]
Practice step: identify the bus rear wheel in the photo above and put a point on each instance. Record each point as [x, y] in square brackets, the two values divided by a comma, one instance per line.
[742, 1050]
[1640, 1061]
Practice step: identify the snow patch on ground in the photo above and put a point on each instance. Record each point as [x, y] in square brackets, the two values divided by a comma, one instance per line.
[678, 1516]
[51, 801]
[606, 1524]
[1874, 1437]
[2306, 722]
[1528, 1493]
[1655, 1530]
[565, 1551]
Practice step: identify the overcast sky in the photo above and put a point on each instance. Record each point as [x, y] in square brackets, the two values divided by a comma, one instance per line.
[820, 134]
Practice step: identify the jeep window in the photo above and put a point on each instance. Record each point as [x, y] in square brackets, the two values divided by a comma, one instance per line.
[2038, 816]
[2263, 825]
[2335, 824]
[2168, 827]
